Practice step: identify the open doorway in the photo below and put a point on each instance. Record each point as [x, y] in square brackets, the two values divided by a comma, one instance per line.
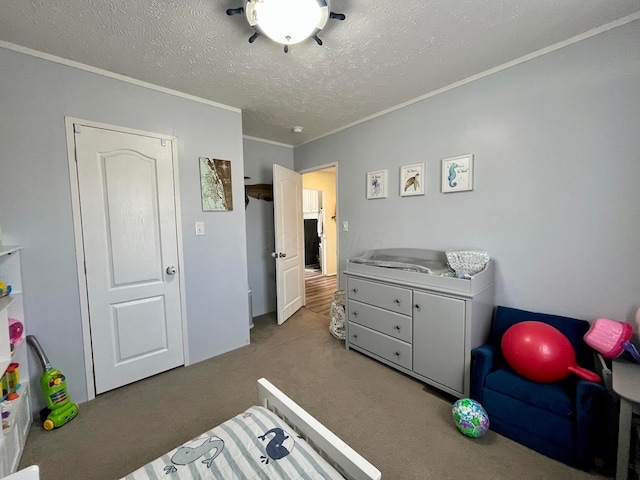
[313, 219]
[321, 237]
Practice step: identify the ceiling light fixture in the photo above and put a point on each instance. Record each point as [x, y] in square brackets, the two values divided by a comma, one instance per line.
[296, 129]
[286, 22]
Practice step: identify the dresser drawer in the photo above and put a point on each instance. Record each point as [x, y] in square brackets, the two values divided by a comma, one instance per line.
[384, 321]
[384, 346]
[396, 299]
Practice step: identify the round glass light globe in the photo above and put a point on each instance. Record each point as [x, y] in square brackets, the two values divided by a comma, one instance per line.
[287, 21]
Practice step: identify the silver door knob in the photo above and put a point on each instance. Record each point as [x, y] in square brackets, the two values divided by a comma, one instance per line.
[274, 254]
[171, 270]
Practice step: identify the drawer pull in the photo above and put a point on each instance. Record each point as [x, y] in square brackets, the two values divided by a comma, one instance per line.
[355, 335]
[355, 314]
[417, 307]
[355, 290]
[397, 354]
[397, 302]
[397, 327]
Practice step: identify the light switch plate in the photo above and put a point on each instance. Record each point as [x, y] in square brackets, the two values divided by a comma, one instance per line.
[199, 228]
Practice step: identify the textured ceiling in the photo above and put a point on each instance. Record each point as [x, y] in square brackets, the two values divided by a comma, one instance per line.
[384, 54]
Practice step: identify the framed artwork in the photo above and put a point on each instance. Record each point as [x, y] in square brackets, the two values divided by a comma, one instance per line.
[457, 174]
[377, 184]
[412, 180]
[215, 182]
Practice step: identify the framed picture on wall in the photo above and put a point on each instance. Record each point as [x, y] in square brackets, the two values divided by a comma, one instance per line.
[412, 180]
[215, 183]
[377, 184]
[457, 174]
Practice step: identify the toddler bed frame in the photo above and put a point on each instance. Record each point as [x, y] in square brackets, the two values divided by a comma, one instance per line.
[340, 455]
[242, 448]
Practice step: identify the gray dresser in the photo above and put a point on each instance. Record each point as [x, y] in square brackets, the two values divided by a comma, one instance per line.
[422, 324]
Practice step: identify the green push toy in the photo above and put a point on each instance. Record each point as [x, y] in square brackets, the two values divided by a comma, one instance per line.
[60, 409]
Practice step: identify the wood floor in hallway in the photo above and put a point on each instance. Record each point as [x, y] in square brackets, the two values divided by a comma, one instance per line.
[319, 291]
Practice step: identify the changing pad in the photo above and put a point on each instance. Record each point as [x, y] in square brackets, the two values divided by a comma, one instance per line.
[408, 264]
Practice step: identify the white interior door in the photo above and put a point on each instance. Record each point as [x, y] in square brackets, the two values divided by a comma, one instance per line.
[289, 254]
[127, 203]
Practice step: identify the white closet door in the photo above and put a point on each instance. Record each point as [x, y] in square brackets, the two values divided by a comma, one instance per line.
[128, 214]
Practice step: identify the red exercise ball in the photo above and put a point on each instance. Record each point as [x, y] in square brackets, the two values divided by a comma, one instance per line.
[541, 353]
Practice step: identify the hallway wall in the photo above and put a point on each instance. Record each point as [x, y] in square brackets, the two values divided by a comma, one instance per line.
[326, 182]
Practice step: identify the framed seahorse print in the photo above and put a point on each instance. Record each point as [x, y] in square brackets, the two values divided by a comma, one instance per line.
[457, 174]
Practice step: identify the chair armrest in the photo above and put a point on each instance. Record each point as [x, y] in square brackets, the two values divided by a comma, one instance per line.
[482, 359]
[589, 398]
[587, 394]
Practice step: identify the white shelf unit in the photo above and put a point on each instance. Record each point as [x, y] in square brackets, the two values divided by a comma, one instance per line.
[12, 439]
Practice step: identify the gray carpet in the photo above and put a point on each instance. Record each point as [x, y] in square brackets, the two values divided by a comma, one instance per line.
[405, 430]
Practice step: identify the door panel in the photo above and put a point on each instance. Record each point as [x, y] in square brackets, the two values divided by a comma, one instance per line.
[438, 327]
[139, 328]
[127, 203]
[289, 254]
[129, 181]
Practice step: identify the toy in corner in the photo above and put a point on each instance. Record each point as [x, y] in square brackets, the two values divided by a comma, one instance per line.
[60, 410]
[4, 289]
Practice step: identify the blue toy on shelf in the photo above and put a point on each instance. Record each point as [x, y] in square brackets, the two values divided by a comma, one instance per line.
[4, 289]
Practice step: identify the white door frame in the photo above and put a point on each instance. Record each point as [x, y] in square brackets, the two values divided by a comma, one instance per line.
[77, 230]
[338, 229]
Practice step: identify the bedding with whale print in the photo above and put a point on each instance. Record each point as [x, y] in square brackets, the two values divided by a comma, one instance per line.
[256, 444]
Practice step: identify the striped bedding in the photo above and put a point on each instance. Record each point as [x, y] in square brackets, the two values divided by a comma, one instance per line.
[256, 444]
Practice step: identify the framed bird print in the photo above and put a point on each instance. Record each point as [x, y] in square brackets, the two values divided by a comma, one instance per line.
[412, 180]
[457, 174]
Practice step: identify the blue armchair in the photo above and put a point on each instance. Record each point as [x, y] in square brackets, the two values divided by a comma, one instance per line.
[559, 419]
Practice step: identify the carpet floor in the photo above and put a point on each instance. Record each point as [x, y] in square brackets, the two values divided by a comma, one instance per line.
[403, 428]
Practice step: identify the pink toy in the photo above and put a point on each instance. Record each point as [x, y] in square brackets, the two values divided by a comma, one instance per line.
[16, 329]
[611, 338]
[541, 353]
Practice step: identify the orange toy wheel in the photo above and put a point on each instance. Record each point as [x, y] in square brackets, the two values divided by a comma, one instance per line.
[48, 425]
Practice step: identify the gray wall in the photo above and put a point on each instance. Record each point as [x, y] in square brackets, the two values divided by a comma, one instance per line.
[35, 203]
[259, 158]
[556, 201]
